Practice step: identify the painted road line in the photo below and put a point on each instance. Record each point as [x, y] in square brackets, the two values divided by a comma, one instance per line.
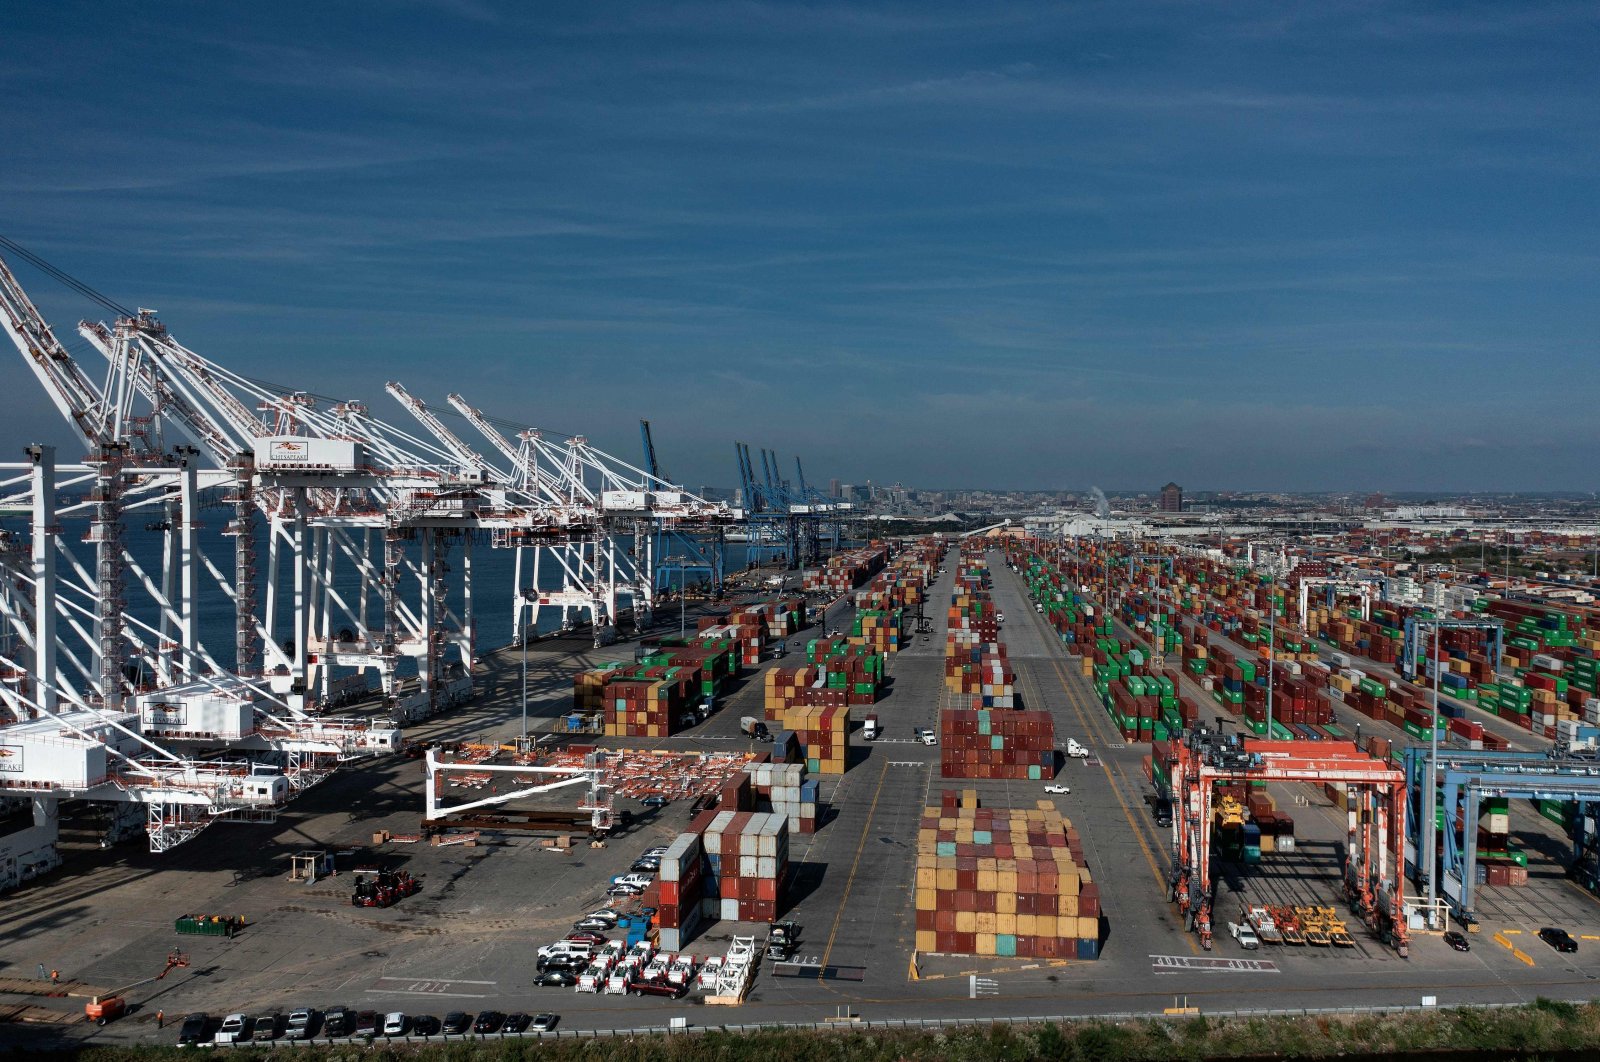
[1522, 955]
[437, 981]
[849, 882]
[435, 995]
[1185, 963]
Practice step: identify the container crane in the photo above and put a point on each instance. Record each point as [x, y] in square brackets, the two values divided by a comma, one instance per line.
[1376, 827]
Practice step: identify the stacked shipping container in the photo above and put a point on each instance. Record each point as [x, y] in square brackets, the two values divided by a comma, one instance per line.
[1005, 882]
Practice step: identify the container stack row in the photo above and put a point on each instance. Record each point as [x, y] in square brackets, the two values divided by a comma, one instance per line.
[680, 890]
[747, 862]
[784, 790]
[1003, 882]
[846, 571]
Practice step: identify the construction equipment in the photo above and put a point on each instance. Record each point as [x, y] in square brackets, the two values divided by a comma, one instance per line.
[383, 888]
[113, 1005]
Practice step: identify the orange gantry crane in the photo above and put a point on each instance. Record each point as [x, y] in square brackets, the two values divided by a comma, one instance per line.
[1202, 758]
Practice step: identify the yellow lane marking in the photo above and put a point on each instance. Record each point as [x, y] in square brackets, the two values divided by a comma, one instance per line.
[866, 828]
[1504, 941]
[1138, 834]
[1519, 953]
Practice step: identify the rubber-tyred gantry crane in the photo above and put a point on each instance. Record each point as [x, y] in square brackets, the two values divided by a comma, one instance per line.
[1374, 848]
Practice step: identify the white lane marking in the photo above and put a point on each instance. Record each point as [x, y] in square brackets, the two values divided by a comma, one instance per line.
[440, 980]
[1176, 963]
[435, 995]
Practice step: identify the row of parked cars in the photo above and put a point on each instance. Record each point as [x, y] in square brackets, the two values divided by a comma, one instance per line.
[335, 1022]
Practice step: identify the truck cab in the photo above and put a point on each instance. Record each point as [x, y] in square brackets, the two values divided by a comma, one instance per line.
[869, 729]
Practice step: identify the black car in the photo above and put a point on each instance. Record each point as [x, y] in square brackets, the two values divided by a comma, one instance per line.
[194, 1029]
[562, 962]
[1457, 941]
[424, 1025]
[654, 801]
[489, 1021]
[1558, 939]
[553, 978]
[338, 1021]
[457, 1021]
[515, 1023]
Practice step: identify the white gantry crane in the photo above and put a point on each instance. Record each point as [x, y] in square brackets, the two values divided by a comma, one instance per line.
[108, 643]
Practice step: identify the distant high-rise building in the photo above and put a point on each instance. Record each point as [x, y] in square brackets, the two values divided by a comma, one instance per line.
[1172, 498]
[833, 488]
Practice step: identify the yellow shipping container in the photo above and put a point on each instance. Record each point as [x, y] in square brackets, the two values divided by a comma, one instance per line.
[926, 940]
[966, 921]
[1005, 902]
[986, 944]
[986, 922]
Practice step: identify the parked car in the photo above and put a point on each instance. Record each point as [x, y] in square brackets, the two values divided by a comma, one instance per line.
[367, 1023]
[1457, 940]
[194, 1029]
[595, 925]
[621, 889]
[456, 1021]
[395, 1023]
[583, 936]
[645, 866]
[1059, 790]
[654, 801]
[657, 852]
[265, 1027]
[604, 914]
[338, 1021]
[545, 1022]
[424, 1025]
[298, 1026]
[235, 1029]
[1558, 939]
[638, 881]
[489, 1021]
[515, 1023]
[556, 979]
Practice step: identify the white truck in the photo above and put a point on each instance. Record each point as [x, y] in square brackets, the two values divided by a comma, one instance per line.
[755, 728]
[927, 736]
[869, 729]
[1246, 936]
[1076, 751]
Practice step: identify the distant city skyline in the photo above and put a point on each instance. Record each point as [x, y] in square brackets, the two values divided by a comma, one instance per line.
[1247, 245]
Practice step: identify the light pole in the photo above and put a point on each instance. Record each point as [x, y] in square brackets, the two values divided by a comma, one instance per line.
[523, 627]
[1431, 815]
[1272, 651]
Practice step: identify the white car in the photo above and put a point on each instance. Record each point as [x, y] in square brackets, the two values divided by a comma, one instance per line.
[637, 881]
[394, 1024]
[235, 1028]
[1060, 790]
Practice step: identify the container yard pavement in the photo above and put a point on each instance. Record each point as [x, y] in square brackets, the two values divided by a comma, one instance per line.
[466, 941]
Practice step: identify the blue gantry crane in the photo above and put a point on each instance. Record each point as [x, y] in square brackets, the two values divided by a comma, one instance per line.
[1466, 778]
[787, 520]
[683, 557]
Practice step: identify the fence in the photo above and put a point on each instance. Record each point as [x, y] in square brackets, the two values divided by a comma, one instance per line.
[881, 1024]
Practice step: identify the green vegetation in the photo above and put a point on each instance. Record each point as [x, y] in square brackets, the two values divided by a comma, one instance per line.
[1546, 1028]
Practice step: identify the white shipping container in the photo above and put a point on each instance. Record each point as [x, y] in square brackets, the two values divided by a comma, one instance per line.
[749, 866]
[767, 868]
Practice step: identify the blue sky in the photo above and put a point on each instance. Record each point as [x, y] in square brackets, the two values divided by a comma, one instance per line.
[1242, 245]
